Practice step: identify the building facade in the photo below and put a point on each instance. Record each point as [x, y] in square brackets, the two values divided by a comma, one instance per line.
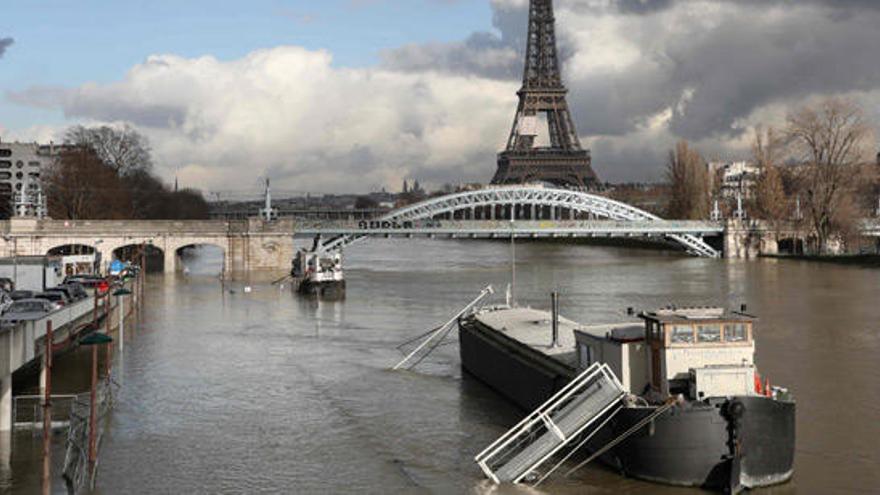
[734, 178]
[21, 165]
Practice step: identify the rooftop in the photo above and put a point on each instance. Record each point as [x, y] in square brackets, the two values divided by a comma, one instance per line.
[674, 314]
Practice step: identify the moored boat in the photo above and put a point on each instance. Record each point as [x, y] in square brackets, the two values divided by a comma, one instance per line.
[318, 273]
[695, 411]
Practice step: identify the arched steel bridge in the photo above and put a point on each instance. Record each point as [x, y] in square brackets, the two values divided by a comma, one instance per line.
[536, 211]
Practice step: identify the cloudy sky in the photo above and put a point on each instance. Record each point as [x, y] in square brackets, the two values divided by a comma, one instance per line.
[354, 95]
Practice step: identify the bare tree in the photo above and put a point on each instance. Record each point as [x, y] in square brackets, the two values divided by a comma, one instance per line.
[689, 183]
[80, 185]
[106, 175]
[831, 140]
[124, 150]
[769, 201]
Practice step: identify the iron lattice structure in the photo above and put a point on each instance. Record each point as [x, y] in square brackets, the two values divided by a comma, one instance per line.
[527, 195]
[564, 162]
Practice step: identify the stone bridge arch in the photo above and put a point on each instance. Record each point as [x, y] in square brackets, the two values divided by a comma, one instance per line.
[180, 248]
[176, 245]
[155, 256]
[70, 249]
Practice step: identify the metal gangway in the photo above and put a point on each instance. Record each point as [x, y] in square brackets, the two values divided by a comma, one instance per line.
[435, 336]
[521, 452]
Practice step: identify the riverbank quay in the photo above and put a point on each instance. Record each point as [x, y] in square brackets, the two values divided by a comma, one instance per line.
[860, 260]
[28, 350]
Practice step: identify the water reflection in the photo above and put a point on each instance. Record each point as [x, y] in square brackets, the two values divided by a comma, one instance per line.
[202, 259]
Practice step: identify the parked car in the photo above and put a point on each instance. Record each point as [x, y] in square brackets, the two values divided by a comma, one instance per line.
[95, 282]
[26, 309]
[69, 291]
[76, 291]
[82, 278]
[18, 295]
[57, 298]
[7, 284]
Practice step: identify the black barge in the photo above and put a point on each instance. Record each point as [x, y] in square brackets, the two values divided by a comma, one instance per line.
[713, 423]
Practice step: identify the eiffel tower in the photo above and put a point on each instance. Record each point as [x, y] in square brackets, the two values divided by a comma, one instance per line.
[563, 162]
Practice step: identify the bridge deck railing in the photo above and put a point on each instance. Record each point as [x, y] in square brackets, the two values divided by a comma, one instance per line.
[142, 227]
[378, 227]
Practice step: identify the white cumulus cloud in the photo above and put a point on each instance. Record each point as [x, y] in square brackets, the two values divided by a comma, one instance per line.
[288, 112]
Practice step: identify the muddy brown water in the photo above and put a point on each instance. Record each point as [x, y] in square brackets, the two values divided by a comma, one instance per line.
[263, 392]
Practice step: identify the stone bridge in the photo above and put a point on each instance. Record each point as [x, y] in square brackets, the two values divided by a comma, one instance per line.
[246, 244]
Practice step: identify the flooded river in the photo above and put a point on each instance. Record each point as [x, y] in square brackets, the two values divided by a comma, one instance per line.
[225, 391]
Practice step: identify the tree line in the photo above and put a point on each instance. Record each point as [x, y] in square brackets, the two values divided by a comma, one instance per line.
[105, 173]
[817, 173]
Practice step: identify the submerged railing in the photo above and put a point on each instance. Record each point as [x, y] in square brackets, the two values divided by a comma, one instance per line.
[76, 460]
[28, 411]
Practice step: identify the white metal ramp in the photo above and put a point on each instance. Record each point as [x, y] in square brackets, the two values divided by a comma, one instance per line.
[594, 394]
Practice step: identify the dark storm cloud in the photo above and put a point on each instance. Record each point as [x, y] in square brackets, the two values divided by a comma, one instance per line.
[643, 6]
[717, 66]
[836, 4]
[713, 62]
[483, 54]
[138, 113]
[4, 44]
[105, 105]
[742, 65]
[651, 6]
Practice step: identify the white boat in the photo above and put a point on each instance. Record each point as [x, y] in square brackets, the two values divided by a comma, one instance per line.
[318, 273]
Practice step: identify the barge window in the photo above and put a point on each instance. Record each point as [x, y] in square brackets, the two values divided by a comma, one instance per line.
[682, 334]
[709, 333]
[735, 332]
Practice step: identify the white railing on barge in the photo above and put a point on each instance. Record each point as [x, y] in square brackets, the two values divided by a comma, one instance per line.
[522, 451]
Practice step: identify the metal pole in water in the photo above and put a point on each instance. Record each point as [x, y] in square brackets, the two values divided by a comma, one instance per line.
[93, 411]
[95, 310]
[121, 302]
[109, 349]
[47, 414]
[512, 264]
[554, 309]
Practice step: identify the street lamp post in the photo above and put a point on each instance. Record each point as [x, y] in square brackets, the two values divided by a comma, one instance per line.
[120, 301]
[14, 240]
[98, 260]
[94, 340]
[15, 262]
